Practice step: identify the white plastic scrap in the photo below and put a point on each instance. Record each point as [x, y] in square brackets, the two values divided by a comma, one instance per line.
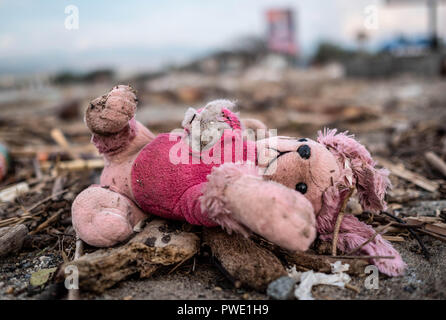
[10, 193]
[310, 278]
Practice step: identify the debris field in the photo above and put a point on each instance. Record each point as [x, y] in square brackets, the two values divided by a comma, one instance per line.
[402, 121]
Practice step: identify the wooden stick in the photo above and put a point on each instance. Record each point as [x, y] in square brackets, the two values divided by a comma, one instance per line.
[364, 257]
[338, 222]
[75, 165]
[423, 248]
[73, 294]
[436, 162]
[60, 139]
[11, 239]
[413, 177]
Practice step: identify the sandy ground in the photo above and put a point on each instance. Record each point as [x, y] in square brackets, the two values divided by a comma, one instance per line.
[423, 280]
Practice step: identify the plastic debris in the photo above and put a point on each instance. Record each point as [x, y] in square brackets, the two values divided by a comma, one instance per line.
[10, 193]
[4, 161]
[310, 278]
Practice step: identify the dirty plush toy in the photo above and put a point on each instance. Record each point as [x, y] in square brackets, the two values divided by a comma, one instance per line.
[284, 189]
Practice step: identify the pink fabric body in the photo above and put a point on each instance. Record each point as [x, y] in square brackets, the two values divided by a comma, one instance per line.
[171, 190]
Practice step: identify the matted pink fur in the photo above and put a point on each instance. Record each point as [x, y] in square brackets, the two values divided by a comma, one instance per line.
[353, 233]
[114, 143]
[371, 183]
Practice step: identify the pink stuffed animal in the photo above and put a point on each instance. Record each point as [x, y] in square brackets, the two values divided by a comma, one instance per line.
[284, 189]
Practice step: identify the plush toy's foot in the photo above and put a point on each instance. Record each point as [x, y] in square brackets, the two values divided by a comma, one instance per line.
[103, 218]
[237, 198]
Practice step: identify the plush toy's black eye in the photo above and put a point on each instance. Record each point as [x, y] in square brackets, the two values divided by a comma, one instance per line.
[301, 187]
[304, 151]
[302, 140]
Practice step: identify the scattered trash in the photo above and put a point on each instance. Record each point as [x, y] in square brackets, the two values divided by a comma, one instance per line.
[10, 193]
[41, 277]
[310, 278]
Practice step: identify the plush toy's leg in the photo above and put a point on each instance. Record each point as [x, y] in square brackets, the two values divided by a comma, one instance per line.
[103, 218]
[237, 198]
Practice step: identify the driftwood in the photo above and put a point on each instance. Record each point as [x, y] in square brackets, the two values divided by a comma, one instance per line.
[242, 259]
[322, 263]
[157, 245]
[11, 239]
[413, 177]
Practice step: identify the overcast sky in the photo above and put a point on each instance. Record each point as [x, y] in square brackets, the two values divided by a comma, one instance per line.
[144, 34]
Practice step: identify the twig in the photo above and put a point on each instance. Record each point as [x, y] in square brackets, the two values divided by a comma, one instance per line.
[436, 162]
[410, 229]
[339, 221]
[364, 257]
[436, 236]
[47, 222]
[181, 262]
[73, 294]
[352, 287]
[60, 139]
[413, 177]
[25, 215]
[45, 200]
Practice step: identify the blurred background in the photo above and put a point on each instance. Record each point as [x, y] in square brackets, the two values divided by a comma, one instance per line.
[375, 67]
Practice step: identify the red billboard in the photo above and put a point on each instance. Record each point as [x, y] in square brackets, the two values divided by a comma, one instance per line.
[281, 31]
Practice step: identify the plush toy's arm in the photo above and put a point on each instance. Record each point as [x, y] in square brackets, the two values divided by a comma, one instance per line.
[238, 199]
[111, 120]
[189, 207]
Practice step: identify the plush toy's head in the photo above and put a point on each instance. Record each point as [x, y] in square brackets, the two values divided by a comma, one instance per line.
[334, 162]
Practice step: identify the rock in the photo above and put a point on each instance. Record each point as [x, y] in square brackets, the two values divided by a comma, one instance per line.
[281, 288]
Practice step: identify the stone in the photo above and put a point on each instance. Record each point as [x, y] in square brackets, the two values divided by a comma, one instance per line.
[281, 288]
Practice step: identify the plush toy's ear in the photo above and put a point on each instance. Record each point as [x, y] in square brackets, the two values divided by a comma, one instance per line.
[359, 169]
[189, 116]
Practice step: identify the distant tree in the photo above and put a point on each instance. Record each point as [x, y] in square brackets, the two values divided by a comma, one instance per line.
[328, 52]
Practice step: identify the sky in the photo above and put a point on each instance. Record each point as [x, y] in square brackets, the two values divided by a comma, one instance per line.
[136, 35]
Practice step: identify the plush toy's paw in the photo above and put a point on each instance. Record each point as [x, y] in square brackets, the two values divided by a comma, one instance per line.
[239, 199]
[103, 218]
[391, 267]
[111, 112]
